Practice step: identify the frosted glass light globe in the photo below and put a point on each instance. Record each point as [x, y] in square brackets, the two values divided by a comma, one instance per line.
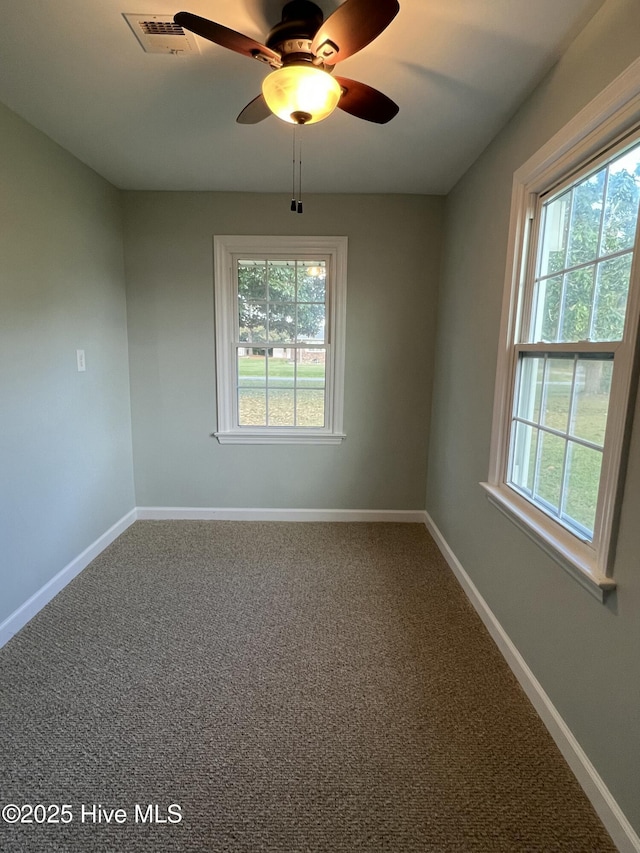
[301, 94]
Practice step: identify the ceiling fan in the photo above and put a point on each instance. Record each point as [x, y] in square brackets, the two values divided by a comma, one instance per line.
[302, 49]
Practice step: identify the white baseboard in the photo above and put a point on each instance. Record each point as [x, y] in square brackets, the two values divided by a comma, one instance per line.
[610, 813]
[19, 618]
[163, 513]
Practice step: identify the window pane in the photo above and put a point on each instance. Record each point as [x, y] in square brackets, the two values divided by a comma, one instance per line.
[281, 408]
[252, 407]
[252, 321]
[576, 309]
[282, 368]
[591, 401]
[581, 485]
[557, 396]
[311, 322]
[549, 479]
[310, 408]
[282, 322]
[282, 281]
[311, 281]
[585, 219]
[621, 210]
[251, 368]
[555, 233]
[523, 464]
[311, 368]
[252, 280]
[611, 299]
[530, 388]
[547, 314]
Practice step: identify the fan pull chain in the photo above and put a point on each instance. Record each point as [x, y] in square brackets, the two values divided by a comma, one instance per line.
[296, 205]
[300, 179]
[293, 174]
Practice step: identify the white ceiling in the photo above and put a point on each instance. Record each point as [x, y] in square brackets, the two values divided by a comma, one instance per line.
[457, 69]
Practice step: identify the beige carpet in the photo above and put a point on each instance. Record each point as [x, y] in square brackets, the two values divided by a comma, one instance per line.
[292, 687]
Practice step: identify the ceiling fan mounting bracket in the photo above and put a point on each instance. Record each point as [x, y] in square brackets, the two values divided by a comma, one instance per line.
[301, 20]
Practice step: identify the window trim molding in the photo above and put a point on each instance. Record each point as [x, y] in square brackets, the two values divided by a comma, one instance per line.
[225, 246]
[610, 116]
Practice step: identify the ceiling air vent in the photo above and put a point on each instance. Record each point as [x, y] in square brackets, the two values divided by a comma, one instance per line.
[160, 34]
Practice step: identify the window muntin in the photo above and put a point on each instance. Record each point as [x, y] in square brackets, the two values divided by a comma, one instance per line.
[281, 346]
[280, 336]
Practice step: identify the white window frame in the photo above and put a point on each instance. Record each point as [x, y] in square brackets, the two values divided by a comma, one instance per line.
[610, 117]
[227, 249]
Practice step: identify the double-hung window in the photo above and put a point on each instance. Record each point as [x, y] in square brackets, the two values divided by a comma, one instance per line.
[280, 336]
[565, 372]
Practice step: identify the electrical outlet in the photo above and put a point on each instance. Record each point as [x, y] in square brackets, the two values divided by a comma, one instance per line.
[82, 366]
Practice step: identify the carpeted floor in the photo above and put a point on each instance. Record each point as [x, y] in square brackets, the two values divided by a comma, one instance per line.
[292, 687]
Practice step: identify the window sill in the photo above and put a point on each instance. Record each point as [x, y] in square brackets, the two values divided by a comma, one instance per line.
[281, 437]
[577, 558]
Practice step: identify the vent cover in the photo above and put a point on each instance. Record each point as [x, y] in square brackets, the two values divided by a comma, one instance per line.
[160, 34]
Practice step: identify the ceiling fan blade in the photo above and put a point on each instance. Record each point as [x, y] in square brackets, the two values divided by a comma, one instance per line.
[351, 27]
[364, 102]
[255, 111]
[227, 38]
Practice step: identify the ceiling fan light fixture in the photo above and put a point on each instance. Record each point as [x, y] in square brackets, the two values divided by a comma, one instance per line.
[301, 94]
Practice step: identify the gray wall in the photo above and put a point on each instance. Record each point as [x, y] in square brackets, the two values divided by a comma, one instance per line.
[394, 244]
[65, 438]
[586, 655]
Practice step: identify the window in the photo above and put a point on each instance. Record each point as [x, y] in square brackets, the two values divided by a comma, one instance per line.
[565, 369]
[280, 336]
